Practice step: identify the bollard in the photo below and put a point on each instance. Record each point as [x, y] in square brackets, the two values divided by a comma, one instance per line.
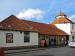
[1, 52]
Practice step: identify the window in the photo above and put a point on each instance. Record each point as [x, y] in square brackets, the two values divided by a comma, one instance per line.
[26, 37]
[72, 37]
[72, 26]
[9, 38]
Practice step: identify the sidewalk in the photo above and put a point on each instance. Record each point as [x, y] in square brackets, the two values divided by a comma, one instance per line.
[22, 50]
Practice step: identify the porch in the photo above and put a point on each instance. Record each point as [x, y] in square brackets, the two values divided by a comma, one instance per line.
[55, 40]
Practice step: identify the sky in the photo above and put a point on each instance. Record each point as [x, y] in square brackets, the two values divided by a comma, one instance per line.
[43, 11]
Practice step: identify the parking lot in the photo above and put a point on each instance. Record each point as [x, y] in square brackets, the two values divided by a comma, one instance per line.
[59, 51]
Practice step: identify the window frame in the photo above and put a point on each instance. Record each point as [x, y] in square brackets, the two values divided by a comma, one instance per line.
[27, 37]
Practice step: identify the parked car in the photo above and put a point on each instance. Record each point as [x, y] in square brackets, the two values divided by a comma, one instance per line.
[71, 44]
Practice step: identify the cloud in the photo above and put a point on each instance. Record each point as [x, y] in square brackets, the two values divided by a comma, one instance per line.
[31, 13]
[72, 17]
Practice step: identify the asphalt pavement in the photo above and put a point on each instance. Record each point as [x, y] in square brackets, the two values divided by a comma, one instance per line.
[59, 51]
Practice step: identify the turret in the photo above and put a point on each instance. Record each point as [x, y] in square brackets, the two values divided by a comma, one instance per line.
[62, 22]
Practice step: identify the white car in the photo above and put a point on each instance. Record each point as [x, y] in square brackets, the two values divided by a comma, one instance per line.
[71, 44]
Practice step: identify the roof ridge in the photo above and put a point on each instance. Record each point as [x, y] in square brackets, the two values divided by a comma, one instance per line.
[34, 22]
[69, 20]
[9, 18]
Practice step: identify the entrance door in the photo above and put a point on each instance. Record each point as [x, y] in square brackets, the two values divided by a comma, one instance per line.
[52, 41]
[67, 39]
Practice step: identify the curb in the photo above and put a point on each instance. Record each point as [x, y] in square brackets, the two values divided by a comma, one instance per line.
[22, 50]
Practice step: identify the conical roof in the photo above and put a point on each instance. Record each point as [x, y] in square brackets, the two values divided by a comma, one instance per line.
[61, 18]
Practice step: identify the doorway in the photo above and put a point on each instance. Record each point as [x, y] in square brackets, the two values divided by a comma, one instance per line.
[52, 41]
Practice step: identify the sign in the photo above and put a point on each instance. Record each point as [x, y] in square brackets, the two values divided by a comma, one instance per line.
[9, 38]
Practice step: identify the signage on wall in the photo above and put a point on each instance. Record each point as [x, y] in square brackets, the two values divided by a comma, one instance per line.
[9, 37]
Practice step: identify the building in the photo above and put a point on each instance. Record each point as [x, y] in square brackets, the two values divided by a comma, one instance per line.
[62, 22]
[16, 32]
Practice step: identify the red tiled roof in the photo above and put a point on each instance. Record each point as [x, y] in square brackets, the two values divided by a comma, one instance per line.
[61, 18]
[46, 28]
[13, 23]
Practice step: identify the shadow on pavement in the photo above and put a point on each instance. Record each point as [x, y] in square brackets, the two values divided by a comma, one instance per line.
[44, 55]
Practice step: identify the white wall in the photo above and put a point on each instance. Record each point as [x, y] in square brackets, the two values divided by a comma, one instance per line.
[73, 33]
[34, 38]
[18, 39]
[66, 27]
